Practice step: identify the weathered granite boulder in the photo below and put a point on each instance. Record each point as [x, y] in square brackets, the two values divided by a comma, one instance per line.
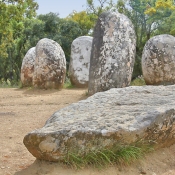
[50, 65]
[113, 53]
[158, 60]
[117, 116]
[80, 61]
[27, 67]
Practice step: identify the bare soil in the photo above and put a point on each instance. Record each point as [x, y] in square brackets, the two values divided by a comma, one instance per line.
[23, 110]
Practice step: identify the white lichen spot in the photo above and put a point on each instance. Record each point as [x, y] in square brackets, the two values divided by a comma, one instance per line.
[48, 145]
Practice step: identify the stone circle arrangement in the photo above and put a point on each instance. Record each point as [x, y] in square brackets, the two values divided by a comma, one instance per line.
[116, 113]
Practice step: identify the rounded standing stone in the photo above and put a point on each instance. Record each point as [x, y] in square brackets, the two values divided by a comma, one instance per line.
[80, 61]
[27, 67]
[113, 53]
[158, 60]
[50, 65]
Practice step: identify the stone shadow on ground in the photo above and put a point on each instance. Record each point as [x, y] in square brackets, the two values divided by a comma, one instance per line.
[40, 167]
[37, 91]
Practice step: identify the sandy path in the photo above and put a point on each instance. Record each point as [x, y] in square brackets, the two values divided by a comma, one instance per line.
[23, 110]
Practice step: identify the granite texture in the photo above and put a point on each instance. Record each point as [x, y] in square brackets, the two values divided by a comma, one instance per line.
[50, 65]
[158, 60]
[117, 116]
[113, 53]
[80, 61]
[27, 67]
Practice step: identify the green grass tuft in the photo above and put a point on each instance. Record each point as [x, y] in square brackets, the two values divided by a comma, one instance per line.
[128, 154]
[139, 81]
[67, 84]
[121, 155]
[9, 84]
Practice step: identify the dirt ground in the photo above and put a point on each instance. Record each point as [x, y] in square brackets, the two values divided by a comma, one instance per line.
[23, 110]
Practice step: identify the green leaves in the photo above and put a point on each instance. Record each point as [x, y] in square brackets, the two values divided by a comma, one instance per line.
[69, 30]
[12, 15]
[160, 5]
[63, 31]
[102, 6]
[84, 20]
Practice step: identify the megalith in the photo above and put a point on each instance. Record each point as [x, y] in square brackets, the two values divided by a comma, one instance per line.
[158, 60]
[80, 61]
[50, 65]
[27, 68]
[113, 53]
[119, 116]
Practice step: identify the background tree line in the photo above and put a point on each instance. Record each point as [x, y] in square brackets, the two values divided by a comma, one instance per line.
[21, 28]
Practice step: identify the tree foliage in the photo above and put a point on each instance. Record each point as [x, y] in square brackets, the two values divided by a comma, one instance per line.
[69, 30]
[12, 14]
[149, 17]
[63, 31]
[51, 24]
[160, 5]
[20, 29]
[84, 20]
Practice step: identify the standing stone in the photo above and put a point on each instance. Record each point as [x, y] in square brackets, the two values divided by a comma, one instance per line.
[113, 53]
[50, 65]
[80, 61]
[158, 60]
[27, 67]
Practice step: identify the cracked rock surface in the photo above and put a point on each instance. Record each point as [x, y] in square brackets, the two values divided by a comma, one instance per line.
[117, 116]
[113, 53]
[80, 61]
[158, 60]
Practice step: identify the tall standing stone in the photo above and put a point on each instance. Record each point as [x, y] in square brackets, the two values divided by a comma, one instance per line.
[113, 53]
[50, 65]
[27, 67]
[158, 60]
[80, 61]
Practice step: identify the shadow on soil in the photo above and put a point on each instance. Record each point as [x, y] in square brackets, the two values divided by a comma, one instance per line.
[32, 91]
[36, 91]
[40, 167]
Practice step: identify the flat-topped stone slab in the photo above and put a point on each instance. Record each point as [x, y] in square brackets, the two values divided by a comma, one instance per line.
[117, 116]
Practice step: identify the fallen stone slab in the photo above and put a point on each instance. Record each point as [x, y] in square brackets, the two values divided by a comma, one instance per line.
[117, 116]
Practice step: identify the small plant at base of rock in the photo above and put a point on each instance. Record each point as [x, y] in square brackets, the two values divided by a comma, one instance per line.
[67, 84]
[9, 84]
[139, 81]
[120, 155]
[86, 93]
